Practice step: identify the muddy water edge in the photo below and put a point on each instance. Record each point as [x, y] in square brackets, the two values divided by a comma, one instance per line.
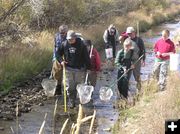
[35, 104]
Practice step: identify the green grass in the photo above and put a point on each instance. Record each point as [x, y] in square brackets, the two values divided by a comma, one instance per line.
[21, 63]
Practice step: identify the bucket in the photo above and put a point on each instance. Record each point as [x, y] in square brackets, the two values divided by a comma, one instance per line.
[175, 62]
[109, 53]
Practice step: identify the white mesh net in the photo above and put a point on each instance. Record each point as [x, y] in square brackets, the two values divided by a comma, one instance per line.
[85, 92]
[49, 86]
[105, 93]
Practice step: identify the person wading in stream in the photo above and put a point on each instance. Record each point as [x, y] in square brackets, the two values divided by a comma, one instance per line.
[77, 61]
[95, 63]
[124, 62]
[57, 68]
[162, 48]
[138, 44]
[111, 38]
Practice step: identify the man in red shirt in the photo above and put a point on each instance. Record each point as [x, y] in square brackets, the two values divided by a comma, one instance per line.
[162, 48]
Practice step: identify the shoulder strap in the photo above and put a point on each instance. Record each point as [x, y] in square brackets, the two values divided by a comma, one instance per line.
[108, 32]
[81, 47]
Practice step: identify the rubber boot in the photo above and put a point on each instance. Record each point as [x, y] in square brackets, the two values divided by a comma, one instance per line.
[58, 90]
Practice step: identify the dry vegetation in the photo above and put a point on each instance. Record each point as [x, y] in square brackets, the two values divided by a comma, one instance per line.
[150, 113]
[25, 59]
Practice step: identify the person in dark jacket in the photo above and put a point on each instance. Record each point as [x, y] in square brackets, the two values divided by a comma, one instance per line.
[95, 63]
[76, 61]
[111, 38]
[124, 62]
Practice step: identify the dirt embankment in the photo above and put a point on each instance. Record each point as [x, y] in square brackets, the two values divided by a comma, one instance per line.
[26, 94]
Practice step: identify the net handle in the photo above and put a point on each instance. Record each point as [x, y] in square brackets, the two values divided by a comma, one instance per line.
[64, 75]
[112, 85]
[90, 58]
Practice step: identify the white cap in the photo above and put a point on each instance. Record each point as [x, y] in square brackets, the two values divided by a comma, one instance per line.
[130, 30]
[70, 34]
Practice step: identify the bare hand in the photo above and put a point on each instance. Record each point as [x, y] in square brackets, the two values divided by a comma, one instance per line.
[132, 66]
[63, 63]
[143, 63]
[165, 54]
[158, 53]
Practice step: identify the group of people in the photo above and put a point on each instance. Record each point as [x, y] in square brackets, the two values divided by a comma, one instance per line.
[73, 53]
[129, 59]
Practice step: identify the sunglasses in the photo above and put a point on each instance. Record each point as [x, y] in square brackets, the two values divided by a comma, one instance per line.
[71, 40]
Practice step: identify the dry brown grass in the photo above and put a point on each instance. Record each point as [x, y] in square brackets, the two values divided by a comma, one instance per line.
[45, 39]
[150, 113]
[145, 18]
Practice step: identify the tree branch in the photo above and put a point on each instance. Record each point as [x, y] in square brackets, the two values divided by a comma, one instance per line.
[11, 10]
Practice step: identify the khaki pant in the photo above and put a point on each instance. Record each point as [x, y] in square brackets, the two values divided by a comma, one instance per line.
[160, 72]
[73, 77]
[137, 73]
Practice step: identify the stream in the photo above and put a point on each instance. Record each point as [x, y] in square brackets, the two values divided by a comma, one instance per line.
[107, 112]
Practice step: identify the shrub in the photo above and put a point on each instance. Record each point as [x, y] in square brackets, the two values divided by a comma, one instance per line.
[144, 25]
[157, 19]
[21, 63]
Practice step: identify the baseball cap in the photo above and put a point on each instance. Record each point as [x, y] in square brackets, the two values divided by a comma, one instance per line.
[130, 30]
[70, 34]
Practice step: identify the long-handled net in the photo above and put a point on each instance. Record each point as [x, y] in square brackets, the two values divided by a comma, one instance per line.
[106, 92]
[85, 90]
[49, 86]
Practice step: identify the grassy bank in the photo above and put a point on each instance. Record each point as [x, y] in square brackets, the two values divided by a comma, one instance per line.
[24, 60]
[149, 114]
